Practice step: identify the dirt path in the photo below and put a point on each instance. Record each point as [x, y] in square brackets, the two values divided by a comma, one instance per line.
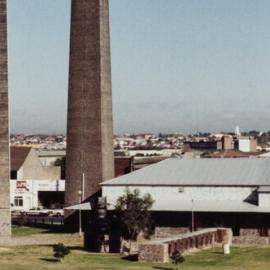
[43, 239]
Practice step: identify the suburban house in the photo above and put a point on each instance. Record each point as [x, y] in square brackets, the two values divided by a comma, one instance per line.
[200, 193]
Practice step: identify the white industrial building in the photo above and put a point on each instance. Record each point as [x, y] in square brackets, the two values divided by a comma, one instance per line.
[34, 184]
[227, 192]
[247, 144]
[27, 194]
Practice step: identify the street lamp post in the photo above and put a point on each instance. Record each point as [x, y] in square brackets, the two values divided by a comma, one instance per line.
[80, 213]
[81, 199]
[192, 216]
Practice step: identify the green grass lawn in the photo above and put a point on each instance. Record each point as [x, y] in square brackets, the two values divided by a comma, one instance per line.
[40, 258]
[26, 231]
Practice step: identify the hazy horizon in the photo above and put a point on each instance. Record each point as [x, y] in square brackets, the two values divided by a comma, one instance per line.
[177, 66]
[142, 132]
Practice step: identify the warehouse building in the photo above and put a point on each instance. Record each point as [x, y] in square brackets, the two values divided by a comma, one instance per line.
[198, 193]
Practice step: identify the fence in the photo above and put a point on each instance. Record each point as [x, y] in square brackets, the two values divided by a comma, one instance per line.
[37, 220]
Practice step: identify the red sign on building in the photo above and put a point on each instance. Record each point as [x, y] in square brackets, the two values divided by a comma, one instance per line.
[22, 186]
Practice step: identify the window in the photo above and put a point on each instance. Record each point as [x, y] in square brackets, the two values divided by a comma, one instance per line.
[18, 201]
[13, 175]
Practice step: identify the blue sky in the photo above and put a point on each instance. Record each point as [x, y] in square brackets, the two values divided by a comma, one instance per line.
[177, 65]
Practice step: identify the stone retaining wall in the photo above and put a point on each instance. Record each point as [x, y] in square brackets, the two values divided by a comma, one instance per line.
[249, 232]
[159, 251]
[154, 253]
[251, 240]
[161, 232]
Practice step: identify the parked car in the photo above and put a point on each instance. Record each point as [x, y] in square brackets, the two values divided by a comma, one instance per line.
[37, 211]
[56, 212]
[16, 213]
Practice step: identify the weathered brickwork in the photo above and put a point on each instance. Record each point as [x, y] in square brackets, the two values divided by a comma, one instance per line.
[154, 253]
[249, 232]
[161, 232]
[159, 251]
[4, 126]
[89, 128]
[252, 237]
[250, 240]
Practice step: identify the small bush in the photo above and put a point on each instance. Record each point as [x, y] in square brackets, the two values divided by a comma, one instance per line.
[60, 251]
[177, 258]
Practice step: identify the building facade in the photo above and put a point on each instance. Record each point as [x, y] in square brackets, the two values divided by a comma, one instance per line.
[201, 193]
[29, 194]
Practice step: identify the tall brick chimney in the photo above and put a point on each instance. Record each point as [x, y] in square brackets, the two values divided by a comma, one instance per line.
[5, 219]
[89, 126]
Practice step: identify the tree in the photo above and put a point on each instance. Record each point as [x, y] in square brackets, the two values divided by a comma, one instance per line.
[253, 133]
[134, 214]
[177, 258]
[61, 162]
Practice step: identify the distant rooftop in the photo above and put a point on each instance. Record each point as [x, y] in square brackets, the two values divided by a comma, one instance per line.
[199, 172]
[51, 153]
[18, 156]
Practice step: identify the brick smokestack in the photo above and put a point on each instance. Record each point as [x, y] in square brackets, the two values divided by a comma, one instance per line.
[5, 219]
[89, 127]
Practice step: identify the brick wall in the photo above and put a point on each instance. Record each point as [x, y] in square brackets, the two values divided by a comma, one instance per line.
[4, 126]
[250, 240]
[161, 232]
[89, 125]
[249, 232]
[159, 251]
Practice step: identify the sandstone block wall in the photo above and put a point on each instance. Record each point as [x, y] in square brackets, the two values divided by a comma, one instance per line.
[250, 240]
[154, 253]
[161, 250]
[249, 232]
[161, 232]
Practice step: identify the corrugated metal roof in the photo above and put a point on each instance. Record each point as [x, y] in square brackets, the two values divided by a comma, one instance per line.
[264, 189]
[82, 206]
[199, 172]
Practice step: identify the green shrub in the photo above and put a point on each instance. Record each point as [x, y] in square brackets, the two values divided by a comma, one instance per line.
[177, 258]
[60, 251]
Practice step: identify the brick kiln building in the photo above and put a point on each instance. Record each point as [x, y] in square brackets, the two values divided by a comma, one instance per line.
[202, 193]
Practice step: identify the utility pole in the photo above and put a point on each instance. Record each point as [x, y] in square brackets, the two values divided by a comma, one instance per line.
[80, 213]
[192, 216]
[81, 199]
